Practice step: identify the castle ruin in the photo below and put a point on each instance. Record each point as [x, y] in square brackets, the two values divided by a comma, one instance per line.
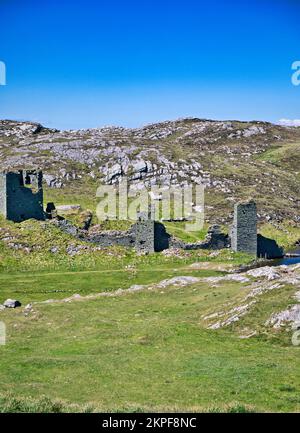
[244, 229]
[21, 195]
[21, 198]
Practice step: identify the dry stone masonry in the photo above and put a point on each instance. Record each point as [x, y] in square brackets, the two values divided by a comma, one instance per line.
[244, 229]
[21, 198]
[21, 195]
[144, 234]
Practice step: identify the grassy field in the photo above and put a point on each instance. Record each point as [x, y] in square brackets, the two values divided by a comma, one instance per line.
[143, 351]
[136, 351]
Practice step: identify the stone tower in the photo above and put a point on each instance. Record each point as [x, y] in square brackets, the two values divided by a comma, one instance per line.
[144, 233]
[149, 235]
[21, 195]
[244, 229]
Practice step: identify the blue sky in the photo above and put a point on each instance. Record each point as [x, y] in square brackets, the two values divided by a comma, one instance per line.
[78, 64]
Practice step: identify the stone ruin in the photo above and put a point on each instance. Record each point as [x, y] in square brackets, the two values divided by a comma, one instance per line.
[146, 235]
[244, 237]
[244, 229]
[144, 230]
[21, 195]
[21, 198]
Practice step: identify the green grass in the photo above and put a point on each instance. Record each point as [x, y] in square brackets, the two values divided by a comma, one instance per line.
[79, 192]
[178, 230]
[285, 234]
[284, 154]
[137, 350]
[60, 284]
[134, 352]
[88, 273]
[11, 404]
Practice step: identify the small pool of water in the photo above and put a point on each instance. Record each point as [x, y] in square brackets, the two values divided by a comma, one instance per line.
[288, 260]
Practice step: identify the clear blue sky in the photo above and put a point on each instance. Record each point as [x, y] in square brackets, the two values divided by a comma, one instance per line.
[77, 64]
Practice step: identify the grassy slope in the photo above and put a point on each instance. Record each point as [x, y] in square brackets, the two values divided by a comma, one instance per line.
[136, 351]
[30, 271]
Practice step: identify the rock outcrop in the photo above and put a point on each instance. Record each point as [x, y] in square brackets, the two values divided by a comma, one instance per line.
[225, 156]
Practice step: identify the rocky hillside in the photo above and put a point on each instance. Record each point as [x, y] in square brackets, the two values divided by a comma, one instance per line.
[233, 159]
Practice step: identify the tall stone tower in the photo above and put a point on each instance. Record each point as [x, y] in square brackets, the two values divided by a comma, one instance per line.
[21, 195]
[144, 233]
[244, 229]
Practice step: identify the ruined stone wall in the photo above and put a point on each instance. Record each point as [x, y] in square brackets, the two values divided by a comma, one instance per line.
[151, 236]
[148, 236]
[144, 236]
[214, 240]
[21, 201]
[244, 229]
[110, 238]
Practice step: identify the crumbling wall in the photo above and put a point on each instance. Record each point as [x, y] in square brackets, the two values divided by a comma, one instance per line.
[144, 236]
[19, 202]
[113, 237]
[244, 229]
[22, 202]
[149, 236]
[214, 240]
